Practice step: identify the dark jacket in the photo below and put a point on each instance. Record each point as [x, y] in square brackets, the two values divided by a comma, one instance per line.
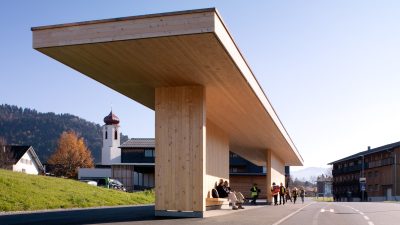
[222, 191]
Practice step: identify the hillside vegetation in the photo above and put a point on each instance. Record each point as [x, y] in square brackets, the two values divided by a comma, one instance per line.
[21, 192]
[25, 126]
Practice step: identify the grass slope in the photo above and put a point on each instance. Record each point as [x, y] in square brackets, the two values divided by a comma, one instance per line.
[20, 192]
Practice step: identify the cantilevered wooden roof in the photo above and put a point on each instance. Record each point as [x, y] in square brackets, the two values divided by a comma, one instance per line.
[134, 55]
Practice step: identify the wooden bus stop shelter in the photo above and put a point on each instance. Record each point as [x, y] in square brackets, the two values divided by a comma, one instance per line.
[207, 101]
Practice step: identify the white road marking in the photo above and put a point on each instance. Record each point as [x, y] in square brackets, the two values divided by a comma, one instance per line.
[315, 218]
[331, 210]
[322, 210]
[361, 213]
[291, 214]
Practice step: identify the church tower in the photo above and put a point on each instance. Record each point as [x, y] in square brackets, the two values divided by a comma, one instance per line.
[110, 153]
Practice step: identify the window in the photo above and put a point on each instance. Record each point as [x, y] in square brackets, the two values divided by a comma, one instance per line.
[234, 169]
[376, 187]
[105, 136]
[116, 135]
[23, 170]
[149, 153]
[351, 163]
[138, 179]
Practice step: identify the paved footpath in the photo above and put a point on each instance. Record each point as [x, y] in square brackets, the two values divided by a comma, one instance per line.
[309, 213]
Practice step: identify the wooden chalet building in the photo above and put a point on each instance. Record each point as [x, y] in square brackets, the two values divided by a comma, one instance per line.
[379, 167]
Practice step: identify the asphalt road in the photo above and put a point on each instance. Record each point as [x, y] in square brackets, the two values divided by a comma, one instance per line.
[309, 213]
[346, 213]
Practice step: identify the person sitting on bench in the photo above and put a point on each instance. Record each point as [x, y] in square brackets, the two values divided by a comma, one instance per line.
[225, 192]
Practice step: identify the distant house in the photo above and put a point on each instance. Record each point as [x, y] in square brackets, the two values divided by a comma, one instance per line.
[133, 163]
[324, 186]
[23, 159]
[370, 175]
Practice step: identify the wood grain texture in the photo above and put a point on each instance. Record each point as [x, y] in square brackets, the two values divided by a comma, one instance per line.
[275, 171]
[243, 183]
[217, 156]
[136, 65]
[123, 173]
[125, 29]
[180, 149]
[268, 157]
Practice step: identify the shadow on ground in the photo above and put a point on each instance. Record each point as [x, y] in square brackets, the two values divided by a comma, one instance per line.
[83, 216]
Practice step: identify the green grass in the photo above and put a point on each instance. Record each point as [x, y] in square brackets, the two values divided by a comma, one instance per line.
[21, 192]
[322, 199]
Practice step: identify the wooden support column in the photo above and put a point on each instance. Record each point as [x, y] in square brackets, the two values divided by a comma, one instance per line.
[269, 179]
[180, 151]
[275, 172]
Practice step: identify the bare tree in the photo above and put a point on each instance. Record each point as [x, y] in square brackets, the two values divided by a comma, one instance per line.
[5, 155]
[329, 171]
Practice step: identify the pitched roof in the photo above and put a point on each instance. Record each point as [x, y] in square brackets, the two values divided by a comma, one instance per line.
[19, 150]
[139, 143]
[368, 152]
[323, 178]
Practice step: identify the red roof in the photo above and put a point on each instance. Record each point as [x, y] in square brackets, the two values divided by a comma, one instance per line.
[111, 119]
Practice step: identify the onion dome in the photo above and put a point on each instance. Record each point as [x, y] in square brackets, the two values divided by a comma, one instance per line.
[111, 119]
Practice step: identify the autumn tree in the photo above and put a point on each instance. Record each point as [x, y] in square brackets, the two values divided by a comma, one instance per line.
[71, 154]
[5, 155]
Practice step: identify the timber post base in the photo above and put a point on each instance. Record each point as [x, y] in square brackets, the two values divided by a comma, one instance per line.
[173, 213]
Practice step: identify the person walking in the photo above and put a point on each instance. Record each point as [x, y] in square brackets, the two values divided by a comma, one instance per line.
[282, 191]
[275, 192]
[294, 195]
[288, 195]
[302, 194]
[255, 191]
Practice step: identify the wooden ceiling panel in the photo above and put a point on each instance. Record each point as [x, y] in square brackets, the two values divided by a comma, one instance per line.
[135, 67]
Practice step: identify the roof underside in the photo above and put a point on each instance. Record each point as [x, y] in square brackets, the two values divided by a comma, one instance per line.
[137, 54]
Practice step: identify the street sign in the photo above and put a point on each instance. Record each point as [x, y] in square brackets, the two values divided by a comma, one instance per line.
[363, 179]
[362, 186]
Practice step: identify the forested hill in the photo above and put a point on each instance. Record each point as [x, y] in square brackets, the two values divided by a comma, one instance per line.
[42, 130]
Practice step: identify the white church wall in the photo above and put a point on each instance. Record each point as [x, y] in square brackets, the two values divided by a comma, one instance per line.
[110, 152]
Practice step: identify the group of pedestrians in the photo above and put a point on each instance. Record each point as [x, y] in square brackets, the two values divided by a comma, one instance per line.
[286, 194]
[278, 191]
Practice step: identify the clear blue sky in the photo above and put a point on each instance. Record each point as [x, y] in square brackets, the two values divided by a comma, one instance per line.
[330, 68]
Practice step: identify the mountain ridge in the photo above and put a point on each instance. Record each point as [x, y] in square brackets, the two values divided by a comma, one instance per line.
[25, 126]
[309, 173]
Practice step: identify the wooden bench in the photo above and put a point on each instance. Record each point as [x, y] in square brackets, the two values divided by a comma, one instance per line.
[217, 203]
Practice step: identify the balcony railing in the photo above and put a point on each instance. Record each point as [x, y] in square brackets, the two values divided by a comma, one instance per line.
[348, 169]
[367, 165]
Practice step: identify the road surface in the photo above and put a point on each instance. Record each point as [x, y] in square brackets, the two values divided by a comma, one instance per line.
[346, 213]
[309, 213]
